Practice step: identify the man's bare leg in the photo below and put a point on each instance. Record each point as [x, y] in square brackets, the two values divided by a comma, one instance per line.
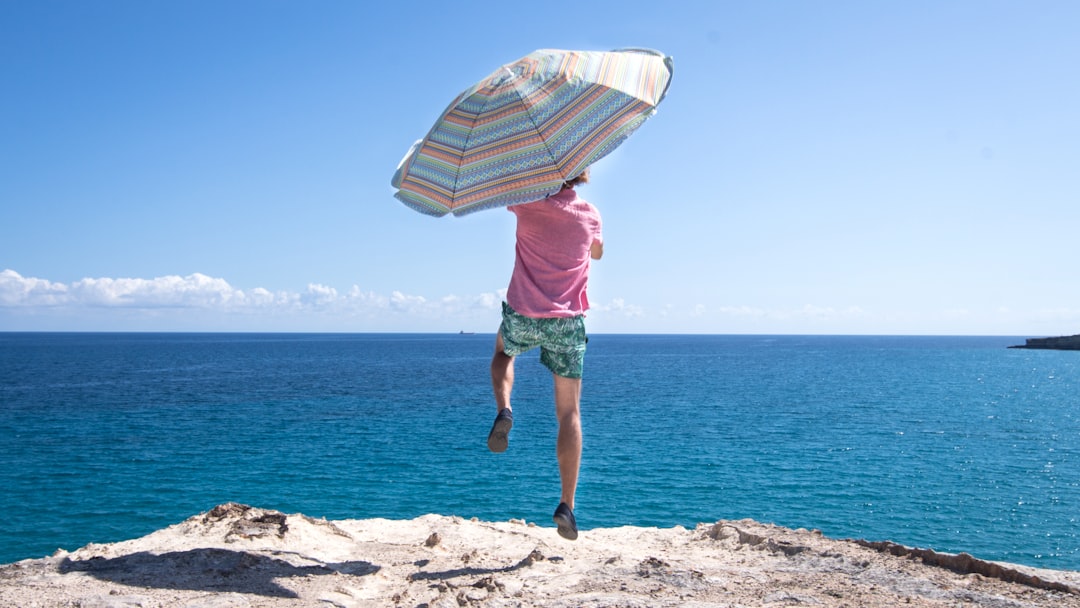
[502, 383]
[502, 375]
[568, 447]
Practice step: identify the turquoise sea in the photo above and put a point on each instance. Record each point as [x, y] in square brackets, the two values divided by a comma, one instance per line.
[951, 443]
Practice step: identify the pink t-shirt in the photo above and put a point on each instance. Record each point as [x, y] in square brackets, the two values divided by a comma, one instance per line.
[551, 266]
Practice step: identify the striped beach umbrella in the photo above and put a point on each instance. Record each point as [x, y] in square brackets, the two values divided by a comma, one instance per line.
[519, 134]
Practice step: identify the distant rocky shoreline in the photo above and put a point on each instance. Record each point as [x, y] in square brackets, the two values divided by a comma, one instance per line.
[1058, 343]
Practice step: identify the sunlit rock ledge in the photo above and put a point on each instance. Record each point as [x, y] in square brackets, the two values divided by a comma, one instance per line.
[237, 556]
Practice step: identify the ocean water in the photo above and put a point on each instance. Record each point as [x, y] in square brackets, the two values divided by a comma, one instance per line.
[951, 443]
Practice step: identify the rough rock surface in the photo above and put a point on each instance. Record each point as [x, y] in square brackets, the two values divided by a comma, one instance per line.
[239, 556]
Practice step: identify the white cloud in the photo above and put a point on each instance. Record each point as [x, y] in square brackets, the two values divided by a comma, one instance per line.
[490, 300]
[619, 306]
[16, 290]
[193, 291]
[318, 296]
[198, 300]
[406, 303]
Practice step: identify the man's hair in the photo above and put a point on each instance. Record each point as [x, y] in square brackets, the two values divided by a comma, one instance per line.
[580, 179]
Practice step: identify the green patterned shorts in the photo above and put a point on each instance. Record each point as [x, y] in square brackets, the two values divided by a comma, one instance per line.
[561, 340]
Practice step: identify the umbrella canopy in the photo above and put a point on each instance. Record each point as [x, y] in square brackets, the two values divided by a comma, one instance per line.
[519, 134]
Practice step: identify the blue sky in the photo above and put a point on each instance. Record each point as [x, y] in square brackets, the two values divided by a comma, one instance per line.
[817, 167]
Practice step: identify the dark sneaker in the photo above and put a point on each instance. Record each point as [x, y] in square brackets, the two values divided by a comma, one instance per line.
[499, 437]
[564, 518]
